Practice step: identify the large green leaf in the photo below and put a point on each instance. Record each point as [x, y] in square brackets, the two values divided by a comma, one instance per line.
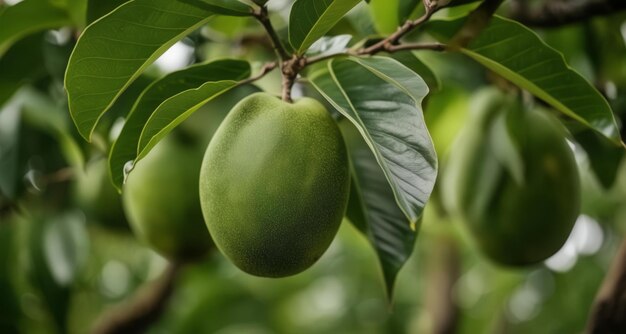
[519, 55]
[311, 19]
[382, 98]
[27, 17]
[165, 97]
[224, 7]
[373, 210]
[99, 8]
[113, 51]
[21, 64]
[410, 60]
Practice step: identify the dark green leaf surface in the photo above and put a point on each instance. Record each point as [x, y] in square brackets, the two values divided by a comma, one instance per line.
[99, 8]
[382, 98]
[167, 95]
[405, 9]
[410, 60]
[519, 55]
[223, 7]
[604, 157]
[27, 17]
[394, 162]
[311, 19]
[373, 210]
[21, 64]
[113, 51]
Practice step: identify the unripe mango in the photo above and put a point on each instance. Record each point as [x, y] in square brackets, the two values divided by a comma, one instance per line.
[274, 184]
[513, 181]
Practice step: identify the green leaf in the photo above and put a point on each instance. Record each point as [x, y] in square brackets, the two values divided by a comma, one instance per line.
[113, 51]
[223, 7]
[382, 98]
[410, 60]
[10, 120]
[40, 111]
[27, 17]
[99, 8]
[604, 157]
[180, 87]
[176, 109]
[519, 55]
[311, 19]
[405, 9]
[373, 210]
[21, 64]
[453, 3]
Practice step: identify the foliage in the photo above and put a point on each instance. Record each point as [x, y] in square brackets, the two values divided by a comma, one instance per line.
[86, 83]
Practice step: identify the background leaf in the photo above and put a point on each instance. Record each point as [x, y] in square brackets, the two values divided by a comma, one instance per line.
[21, 64]
[10, 120]
[373, 210]
[382, 98]
[125, 147]
[519, 55]
[27, 17]
[311, 19]
[117, 48]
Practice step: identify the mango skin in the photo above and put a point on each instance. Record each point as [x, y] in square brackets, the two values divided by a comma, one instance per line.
[515, 224]
[274, 185]
[162, 203]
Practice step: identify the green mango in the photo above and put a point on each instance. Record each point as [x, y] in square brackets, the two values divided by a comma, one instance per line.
[513, 181]
[161, 199]
[274, 185]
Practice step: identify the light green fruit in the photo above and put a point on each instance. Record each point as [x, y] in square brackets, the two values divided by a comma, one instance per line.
[513, 181]
[274, 185]
[162, 201]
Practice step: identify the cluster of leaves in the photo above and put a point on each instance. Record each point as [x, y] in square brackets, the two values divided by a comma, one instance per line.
[394, 164]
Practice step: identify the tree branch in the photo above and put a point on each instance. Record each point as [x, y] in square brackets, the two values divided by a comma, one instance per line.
[609, 311]
[390, 49]
[267, 68]
[262, 16]
[138, 314]
[393, 39]
[558, 13]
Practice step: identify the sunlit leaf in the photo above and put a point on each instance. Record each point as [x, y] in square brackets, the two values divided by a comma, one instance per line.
[165, 97]
[311, 19]
[223, 7]
[373, 210]
[395, 175]
[519, 55]
[113, 51]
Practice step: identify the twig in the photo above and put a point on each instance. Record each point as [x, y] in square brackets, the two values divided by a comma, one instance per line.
[393, 39]
[609, 311]
[137, 315]
[267, 68]
[390, 49]
[558, 13]
[263, 17]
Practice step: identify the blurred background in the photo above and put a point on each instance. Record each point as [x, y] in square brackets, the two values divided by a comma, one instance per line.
[68, 258]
